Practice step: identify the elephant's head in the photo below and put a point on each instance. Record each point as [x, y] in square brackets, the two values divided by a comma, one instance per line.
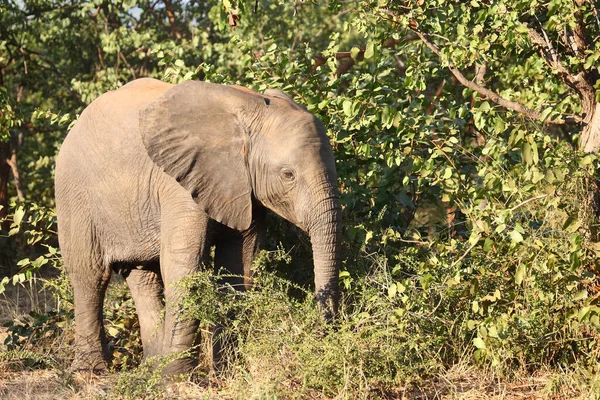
[230, 145]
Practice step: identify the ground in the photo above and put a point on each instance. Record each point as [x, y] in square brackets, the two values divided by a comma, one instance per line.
[52, 384]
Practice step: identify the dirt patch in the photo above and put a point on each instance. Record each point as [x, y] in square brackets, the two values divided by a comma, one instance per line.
[45, 384]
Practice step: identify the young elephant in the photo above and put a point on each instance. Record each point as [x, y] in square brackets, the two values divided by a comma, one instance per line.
[152, 175]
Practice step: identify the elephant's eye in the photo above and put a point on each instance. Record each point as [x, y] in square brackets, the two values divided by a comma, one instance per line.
[287, 174]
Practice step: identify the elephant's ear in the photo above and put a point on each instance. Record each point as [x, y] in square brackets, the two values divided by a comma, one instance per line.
[193, 133]
[279, 94]
[283, 96]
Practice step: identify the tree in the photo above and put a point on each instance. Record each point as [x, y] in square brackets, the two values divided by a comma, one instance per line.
[471, 36]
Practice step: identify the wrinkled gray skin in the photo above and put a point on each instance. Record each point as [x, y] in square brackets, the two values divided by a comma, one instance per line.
[153, 175]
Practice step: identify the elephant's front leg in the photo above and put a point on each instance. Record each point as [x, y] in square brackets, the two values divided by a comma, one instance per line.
[183, 248]
[235, 255]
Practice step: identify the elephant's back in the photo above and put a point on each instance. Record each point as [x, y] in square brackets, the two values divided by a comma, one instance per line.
[104, 175]
[110, 124]
[105, 144]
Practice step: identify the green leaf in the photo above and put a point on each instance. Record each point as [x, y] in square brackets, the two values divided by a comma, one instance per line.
[3, 284]
[347, 107]
[516, 236]
[499, 125]
[522, 28]
[487, 245]
[392, 290]
[479, 343]
[447, 173]
[64, 119]
[520, 273]
[572, 224]
[18, 216]
[583, 312]
[545, 113]
[583, 294]
[369, 50]
[401, 288]
[24, 261]
[527, 153]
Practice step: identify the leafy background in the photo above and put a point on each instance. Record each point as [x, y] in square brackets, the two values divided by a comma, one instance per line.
[470, 227]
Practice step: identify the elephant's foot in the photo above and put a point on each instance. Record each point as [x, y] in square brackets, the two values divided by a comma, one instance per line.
[184, 365]
[90, 362]
[223, 345]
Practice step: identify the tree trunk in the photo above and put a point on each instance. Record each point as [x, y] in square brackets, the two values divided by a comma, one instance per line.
[590, 135]
[4, 176]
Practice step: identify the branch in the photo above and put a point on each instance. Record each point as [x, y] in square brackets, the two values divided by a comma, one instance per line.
[579, 82]
[547, 51]
[169, 7]
[12, 163]
[496, 98]
[581, 40]
[480, 70]
[131, 70]
[569, 119]
[347, 62]
[595, 11]
[24, 50]
[466, 252]
[541, 196]
[533, 35]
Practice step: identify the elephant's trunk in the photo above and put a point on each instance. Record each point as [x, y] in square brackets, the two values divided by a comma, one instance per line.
[325, 234]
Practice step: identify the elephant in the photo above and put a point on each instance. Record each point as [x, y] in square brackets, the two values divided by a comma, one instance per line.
[153, 175]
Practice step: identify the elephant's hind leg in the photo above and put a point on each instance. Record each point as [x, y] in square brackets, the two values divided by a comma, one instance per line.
[89, 280]
[147, 291]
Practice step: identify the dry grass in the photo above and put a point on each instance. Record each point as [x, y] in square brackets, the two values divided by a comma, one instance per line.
[22, 299]
[466, 382]
[459, 382]
[49, 384]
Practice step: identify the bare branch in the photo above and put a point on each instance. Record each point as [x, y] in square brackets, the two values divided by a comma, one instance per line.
[131, 70]
[171, 15]
[12, 163]
[541, 196]
[480, 70]
[553, 54]
[50, 65]
[466, 253]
